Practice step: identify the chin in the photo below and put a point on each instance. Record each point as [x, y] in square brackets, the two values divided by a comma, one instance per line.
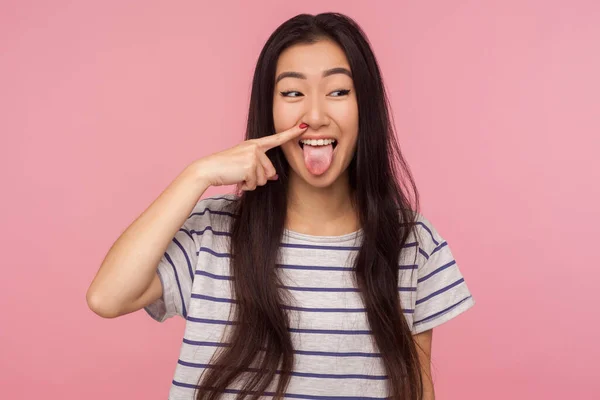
[324, 180]
[320, 181]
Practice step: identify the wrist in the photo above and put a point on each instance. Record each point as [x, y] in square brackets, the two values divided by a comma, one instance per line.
[193, 173]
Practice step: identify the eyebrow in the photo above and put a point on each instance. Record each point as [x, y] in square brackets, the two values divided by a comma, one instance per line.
[299, 75]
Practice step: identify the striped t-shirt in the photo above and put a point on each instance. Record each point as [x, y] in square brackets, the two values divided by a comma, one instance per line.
[334, 354]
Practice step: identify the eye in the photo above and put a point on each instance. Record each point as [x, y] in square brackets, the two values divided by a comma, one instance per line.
[286, 94]
[342, 92]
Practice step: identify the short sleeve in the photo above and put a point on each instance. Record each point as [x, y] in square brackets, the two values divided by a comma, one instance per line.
[177, 267]
[441, 290]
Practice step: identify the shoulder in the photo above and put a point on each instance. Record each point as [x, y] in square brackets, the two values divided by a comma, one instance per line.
[441, 291]
[424, 240]
[428, 237]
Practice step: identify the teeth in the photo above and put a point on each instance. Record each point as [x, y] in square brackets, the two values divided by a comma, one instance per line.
[318, 142]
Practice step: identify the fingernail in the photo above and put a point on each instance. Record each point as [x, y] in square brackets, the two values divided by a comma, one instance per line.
[303, 125]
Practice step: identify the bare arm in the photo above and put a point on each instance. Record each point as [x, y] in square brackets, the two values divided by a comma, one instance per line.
[127, 279]
[423, 342]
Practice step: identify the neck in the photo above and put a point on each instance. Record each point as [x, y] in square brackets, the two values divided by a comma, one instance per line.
[325, 211]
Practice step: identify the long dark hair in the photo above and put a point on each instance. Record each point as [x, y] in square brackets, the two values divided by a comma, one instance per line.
[381, 186]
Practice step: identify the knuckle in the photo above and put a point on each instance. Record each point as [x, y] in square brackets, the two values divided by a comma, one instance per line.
[254, 146]
[249, 165]
[251, 156]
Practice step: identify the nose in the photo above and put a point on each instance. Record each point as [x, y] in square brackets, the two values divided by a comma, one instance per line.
[316, 113]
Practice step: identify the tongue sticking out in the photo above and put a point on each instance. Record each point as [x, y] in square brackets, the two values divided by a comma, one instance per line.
[317, 158]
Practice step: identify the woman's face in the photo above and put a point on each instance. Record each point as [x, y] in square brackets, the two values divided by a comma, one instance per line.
[313, 86]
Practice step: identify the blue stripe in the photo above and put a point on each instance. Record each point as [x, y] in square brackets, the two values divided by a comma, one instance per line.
[211, 321]
[214, 253]
[206, 344]
[336, 290]
[347, 248]
[313, 267]
[300, 374]
[293, 330]
[287, 307]
[302, 352]
[322, 268]
[423, 253]
[333, 354]
[187, 233]
[211, 298]
[443, 267]
[301, 267]
[405, 267]
[407, 289]
[437, 314]
[442, 290]
[330, 331]
[211, 212]
[290, 395]
[340, 310]
[184, 311]
[210, 228]
[438, 248]
[214, 276]
[306, 289]
[428, 230]
[187, 259]
[318, 289]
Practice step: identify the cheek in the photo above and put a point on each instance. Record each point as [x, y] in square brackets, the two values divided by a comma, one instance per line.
[282, 116]
[276, 115]
[288, 151]
[346, 115]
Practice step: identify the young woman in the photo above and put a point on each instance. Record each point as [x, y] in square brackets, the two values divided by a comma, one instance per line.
[318, 278]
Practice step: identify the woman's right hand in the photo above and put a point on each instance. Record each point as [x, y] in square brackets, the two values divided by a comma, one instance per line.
[245, 164]
[127, 279]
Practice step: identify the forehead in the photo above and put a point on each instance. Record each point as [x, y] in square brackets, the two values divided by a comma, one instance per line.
[312, 59]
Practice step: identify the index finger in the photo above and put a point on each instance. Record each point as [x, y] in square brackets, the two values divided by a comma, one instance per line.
[268, 142]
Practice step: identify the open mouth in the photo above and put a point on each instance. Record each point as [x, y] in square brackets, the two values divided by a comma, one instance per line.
[333, 142]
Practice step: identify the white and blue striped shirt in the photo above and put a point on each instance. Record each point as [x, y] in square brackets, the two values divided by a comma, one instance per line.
[335, 357]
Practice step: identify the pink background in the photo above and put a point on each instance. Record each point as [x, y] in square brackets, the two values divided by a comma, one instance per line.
[497, 108]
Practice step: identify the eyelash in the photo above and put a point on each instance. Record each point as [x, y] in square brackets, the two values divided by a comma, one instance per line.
[342, 91]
